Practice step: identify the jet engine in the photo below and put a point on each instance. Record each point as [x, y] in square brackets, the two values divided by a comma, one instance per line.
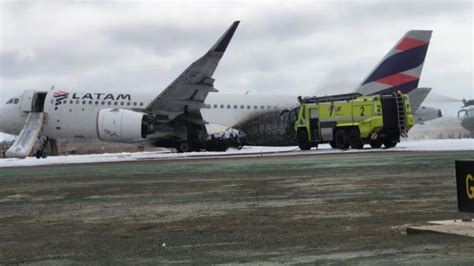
[121, 125]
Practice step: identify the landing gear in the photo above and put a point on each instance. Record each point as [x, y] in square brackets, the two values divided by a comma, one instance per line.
[341, 140]
[41, 154]
[47, 146]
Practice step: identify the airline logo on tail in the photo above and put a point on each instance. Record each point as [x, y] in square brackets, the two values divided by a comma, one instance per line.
[401, 68]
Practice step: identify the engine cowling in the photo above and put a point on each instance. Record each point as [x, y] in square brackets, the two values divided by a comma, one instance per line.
[120, 125]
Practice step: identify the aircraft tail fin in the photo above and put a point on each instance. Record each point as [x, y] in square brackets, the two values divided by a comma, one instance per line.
[401, 68]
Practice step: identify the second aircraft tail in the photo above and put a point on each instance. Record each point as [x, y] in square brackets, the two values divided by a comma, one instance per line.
[401, 68]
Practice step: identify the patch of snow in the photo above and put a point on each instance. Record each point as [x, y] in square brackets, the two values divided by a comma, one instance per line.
[406, 145]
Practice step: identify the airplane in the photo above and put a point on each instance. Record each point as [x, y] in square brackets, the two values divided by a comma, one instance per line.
[180, 116]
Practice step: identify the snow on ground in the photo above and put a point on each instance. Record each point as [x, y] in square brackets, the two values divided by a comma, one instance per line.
[406, 145]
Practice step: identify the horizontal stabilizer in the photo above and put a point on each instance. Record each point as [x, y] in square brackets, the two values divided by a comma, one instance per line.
[25, 142]
[417, 96]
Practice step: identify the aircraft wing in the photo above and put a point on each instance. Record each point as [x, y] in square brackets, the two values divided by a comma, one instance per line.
[185, 96]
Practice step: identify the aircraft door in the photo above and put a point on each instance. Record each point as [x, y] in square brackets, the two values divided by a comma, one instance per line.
[32, 101]
[38, 102]
[26, 104]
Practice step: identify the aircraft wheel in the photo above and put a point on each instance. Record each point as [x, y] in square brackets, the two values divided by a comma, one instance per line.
[39, 154]
[375, 144]
[44, 155]
[333, 144]
[354, 139]
[341, 139]
[303, 142]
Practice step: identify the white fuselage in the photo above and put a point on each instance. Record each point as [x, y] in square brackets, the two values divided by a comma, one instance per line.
[74, 117]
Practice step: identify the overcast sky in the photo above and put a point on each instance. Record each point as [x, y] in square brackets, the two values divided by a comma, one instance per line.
[298, 48]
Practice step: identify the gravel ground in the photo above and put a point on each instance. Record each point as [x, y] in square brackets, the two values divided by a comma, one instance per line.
[336, 208]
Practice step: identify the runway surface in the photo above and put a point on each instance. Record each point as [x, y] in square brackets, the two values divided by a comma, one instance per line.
[342, 207]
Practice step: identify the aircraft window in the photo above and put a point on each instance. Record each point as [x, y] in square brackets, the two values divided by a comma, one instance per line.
[83, 102]
[228, 106]
[52, 101]
[255, 107]
[15, 101]
[262, 107]
[71, 102]
[115, 103]
[121, 103]
[269, 107]
[10, 101]
[222, 106]
[90, 102]
[215, 106]
[141, 104]
[134, 103]
[103, 103]
[235, 106]
[248, 107]
[96, 102]
[128, 103]
[242, 107]
[77, 101]
[109, 103]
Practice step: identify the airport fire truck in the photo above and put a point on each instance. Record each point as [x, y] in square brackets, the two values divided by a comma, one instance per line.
[350, 120]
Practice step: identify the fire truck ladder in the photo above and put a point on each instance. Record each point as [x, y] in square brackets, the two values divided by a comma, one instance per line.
[401, 113]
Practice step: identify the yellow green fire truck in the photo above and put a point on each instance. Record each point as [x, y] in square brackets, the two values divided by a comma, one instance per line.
[350, 120]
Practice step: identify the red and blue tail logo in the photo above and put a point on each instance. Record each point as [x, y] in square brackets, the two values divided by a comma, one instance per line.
[400, 69]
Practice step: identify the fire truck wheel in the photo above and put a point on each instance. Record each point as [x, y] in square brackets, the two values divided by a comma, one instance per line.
[303, 142]
[341, 139]
[354, 139]
[375, 144]
[389, 143]
[183, 147]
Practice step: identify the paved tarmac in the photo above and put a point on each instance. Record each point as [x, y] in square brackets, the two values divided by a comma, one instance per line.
[311, 208]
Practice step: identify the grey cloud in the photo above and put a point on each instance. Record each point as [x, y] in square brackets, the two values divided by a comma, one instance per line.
[163, 39]
[283, 49]
[61, 58]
